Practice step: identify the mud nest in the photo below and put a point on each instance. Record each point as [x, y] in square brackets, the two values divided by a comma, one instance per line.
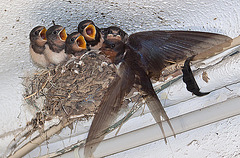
[72, 88]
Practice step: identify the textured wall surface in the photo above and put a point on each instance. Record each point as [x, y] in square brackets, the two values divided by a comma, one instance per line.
[18, 17]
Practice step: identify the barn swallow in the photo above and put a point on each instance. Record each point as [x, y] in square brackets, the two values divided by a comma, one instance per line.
[37, 46]
[55, 46]
[91, 33]
[141, 58]
[75, 44]
[114, 32]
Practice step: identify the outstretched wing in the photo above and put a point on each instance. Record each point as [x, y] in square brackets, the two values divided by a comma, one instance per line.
[159, 49]
[109, 108]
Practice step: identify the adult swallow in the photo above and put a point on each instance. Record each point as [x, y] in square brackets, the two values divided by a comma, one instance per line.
[37, 46]
[142, 58]
[91, 33]
[75, 44]
[114, 32]
[55, 46]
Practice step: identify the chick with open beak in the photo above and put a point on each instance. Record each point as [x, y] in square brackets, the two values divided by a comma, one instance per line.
[55, 46]
[91, 33]
[37, 46]
[75, 44]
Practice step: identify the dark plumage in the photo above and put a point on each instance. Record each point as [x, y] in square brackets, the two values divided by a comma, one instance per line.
[189, 79]
[159, 49]
[141, 58]
[130, 72]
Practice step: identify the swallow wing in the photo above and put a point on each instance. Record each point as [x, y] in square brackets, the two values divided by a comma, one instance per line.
[109, 108]
[159, 49]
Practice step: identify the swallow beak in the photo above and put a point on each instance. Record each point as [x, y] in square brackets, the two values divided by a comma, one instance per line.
[43, 33]
[63, 35]
[90, 31]
[81, 42]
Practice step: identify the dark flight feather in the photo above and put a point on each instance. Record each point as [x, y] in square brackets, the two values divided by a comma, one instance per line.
[156, 48]
[149, 95]
[109, 108]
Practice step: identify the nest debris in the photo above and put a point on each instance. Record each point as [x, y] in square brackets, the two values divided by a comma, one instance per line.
[72, 88]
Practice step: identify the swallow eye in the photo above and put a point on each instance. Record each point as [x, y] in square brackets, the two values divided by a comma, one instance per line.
[102, 31]
[55, 32]
[37, 33]
[82, 27]
[112, 45]
[72, 39]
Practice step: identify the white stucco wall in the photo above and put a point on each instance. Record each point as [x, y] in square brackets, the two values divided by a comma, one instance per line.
[18, 17]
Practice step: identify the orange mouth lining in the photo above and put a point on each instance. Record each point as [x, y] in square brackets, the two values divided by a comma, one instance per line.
[63, 34]
[81, 42]
[90, 31]
[43, 33]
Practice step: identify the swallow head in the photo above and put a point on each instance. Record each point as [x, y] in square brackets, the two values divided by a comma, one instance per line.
[88, 29]
[114, 32]
[75, 43]
[113, 49]
[56, 36]
[38, 35]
